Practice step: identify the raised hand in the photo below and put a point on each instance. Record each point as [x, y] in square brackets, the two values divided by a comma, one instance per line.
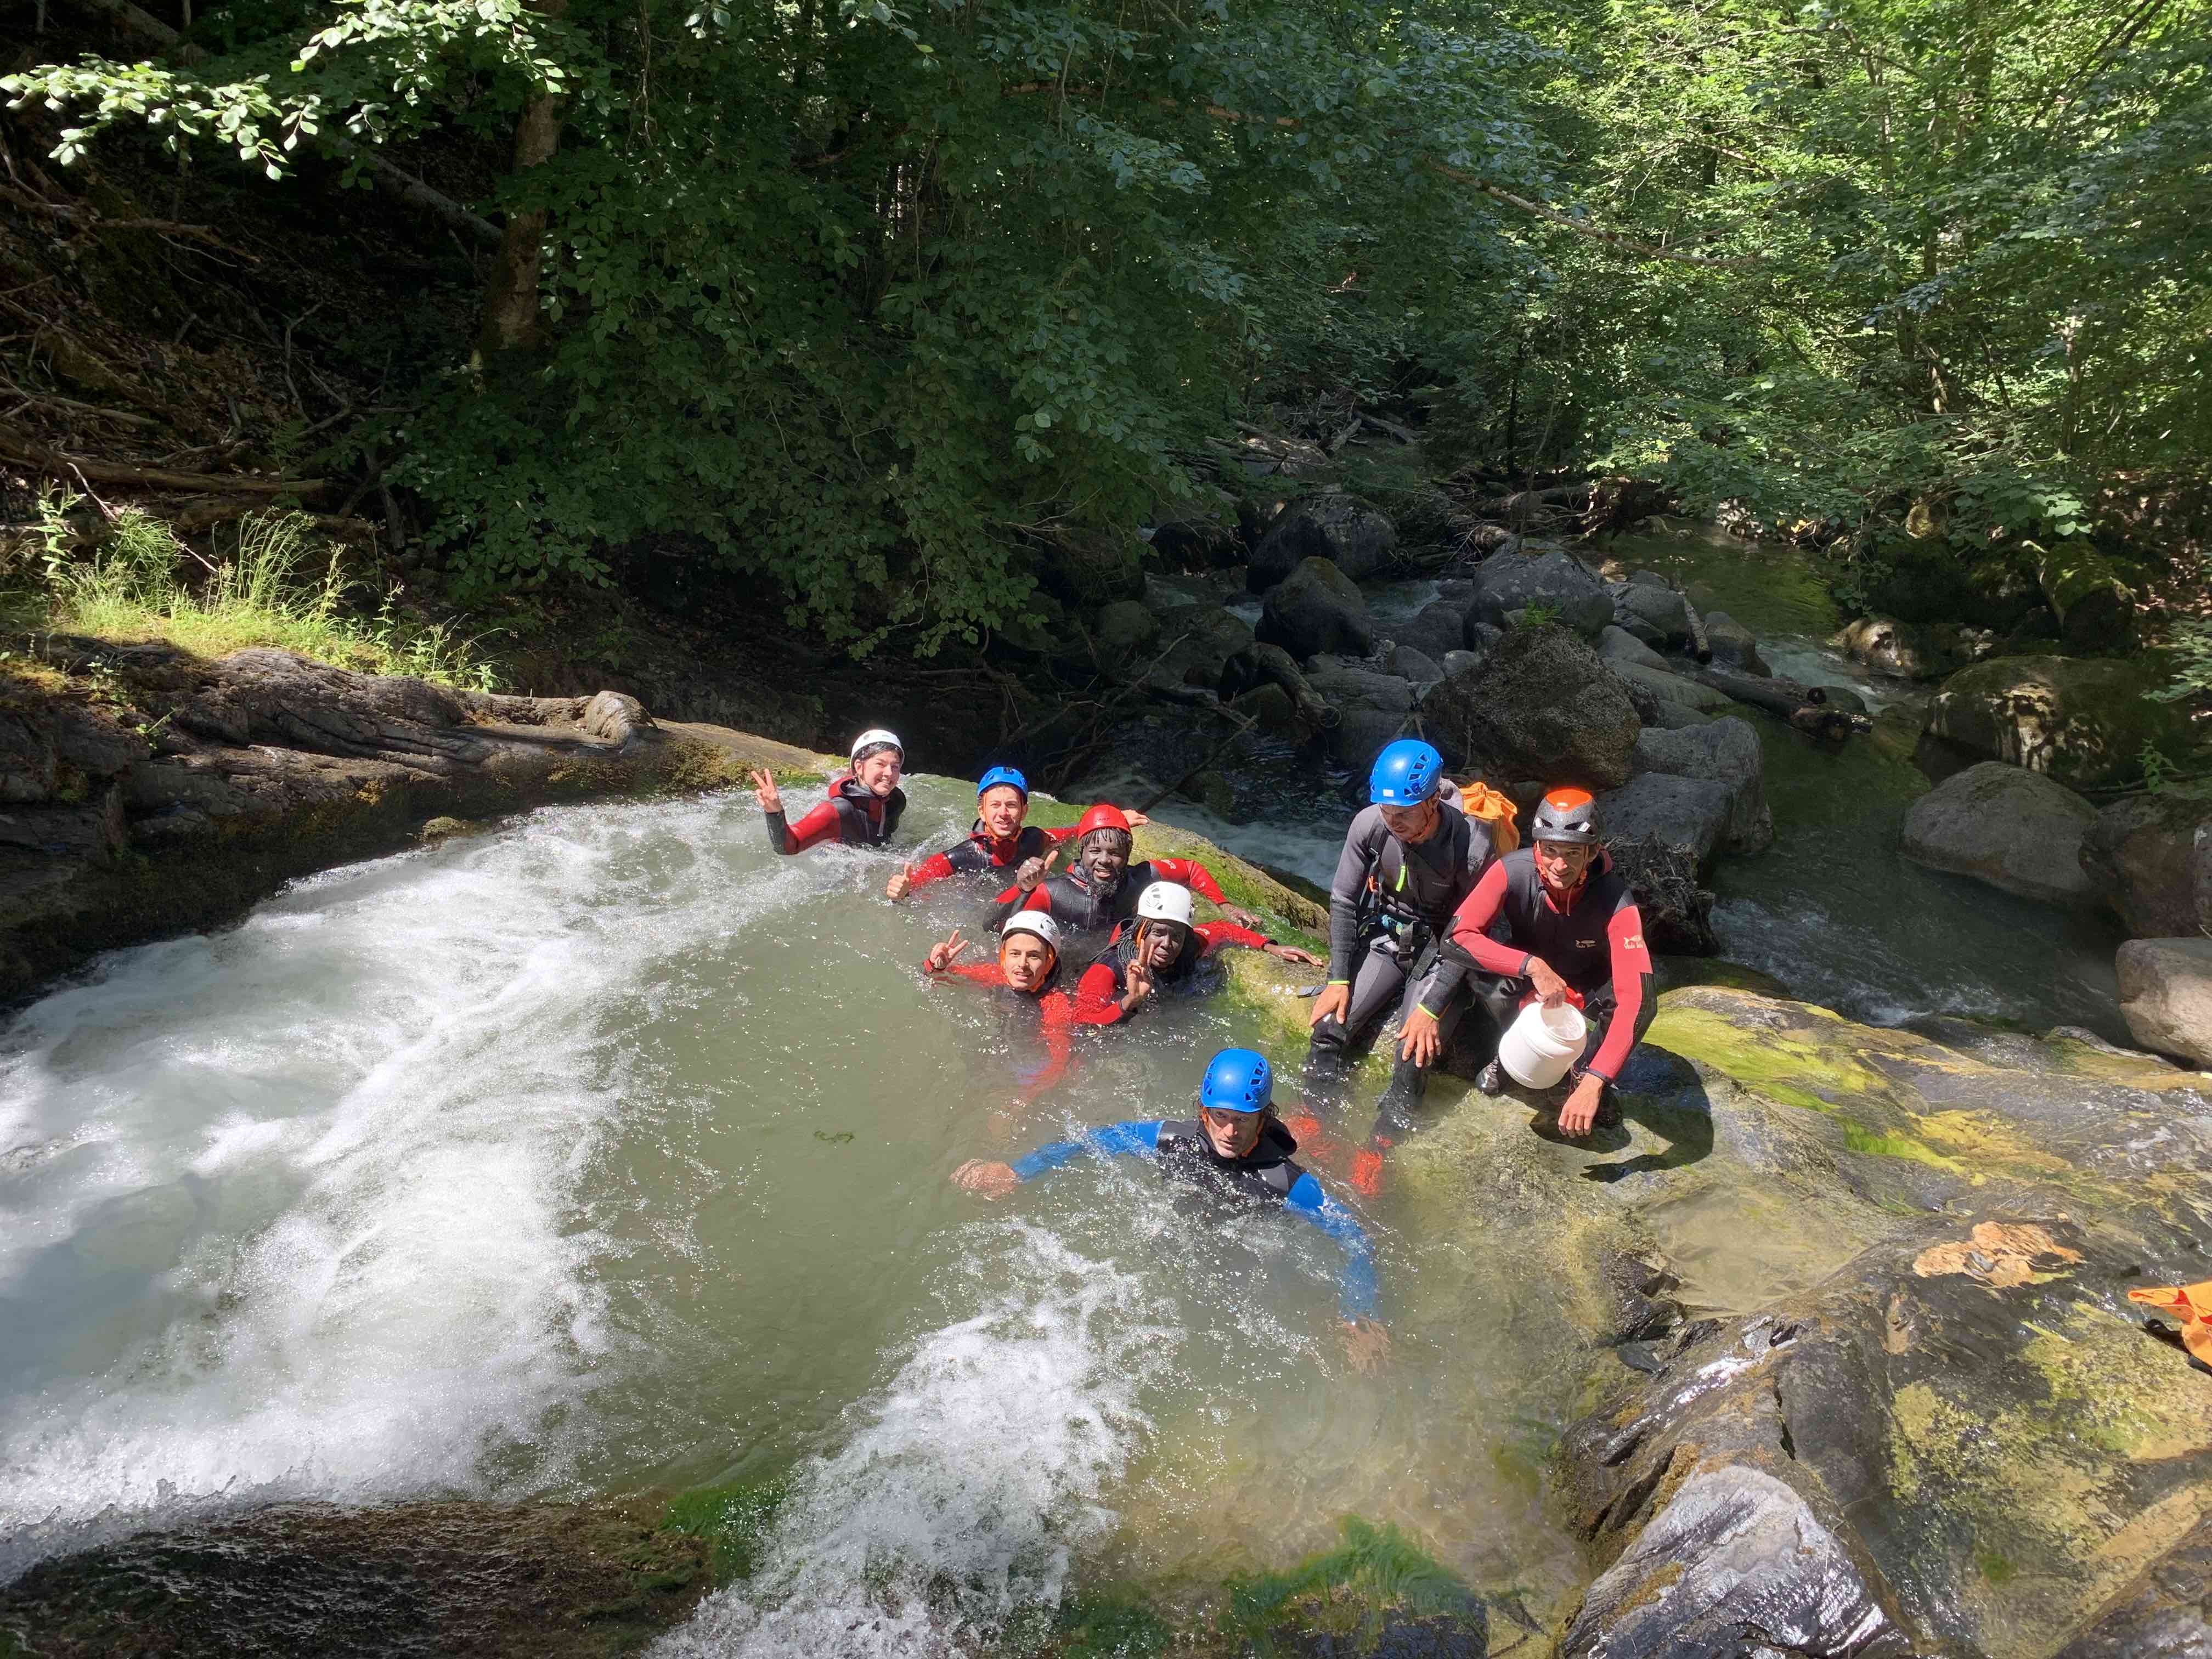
[1034, 871]
[985, 1179]
[765, 791]
[902, 883]
[941, 956]
[1136, 986]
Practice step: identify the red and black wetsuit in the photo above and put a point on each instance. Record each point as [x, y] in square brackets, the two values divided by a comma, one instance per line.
[1098, 992]
[1055, 1012]
[1594, 942]
[1070, 899]
[982, 851]
[853, 814]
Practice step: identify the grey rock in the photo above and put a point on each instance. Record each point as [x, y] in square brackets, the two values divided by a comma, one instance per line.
[1353, 535]
[1199, 640]
[2150, 858]
[1539, 704]
[2016, 830]
[1692, 813]
[1507, 582]
[1416, 666]
[1726, 751]
[1733, 643]
[2165, 1613]
[1371, 708]
[1440, 626]
[1664, 614]
[2084, 721]
[1268, 705]
[1912, 651]
[1461, 662]
[1672, 688]
[1125, 633]
[1672, 717]
[2166, 995]
[1616, 644]
[1316, 609]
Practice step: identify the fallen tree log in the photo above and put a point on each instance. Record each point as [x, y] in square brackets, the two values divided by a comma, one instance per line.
[1822, 710]
[19, 446]
[2095, 608]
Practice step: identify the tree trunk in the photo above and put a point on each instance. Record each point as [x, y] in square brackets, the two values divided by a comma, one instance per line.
[510, 312]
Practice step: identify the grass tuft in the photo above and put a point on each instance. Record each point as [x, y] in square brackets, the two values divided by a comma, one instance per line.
[278, 585]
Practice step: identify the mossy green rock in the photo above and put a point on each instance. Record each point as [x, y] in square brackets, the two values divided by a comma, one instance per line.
[2084, 721]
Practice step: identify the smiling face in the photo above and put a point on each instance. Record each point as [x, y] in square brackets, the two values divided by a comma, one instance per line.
[1231, 1135]
[878, 773]
[1025, 960]
[1105, 856]
[1001, 808]
[1561, 865]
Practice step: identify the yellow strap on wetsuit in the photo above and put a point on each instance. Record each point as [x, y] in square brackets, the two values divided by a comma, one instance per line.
[1495, 808]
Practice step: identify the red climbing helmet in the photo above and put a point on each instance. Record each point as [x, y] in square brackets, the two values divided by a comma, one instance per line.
[1102, 817]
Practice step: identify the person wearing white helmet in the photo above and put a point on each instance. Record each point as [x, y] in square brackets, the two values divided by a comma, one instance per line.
[1164, 952]
[865, 802]
[1028, 971]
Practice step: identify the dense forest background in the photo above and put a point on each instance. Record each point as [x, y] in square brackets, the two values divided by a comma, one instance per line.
[875, 306]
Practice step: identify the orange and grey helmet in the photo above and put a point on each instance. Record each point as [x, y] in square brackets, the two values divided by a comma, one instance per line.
[1567, 815]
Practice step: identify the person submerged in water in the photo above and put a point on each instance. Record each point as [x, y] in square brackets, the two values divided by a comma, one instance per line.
[1102, 890]
[1238, 1149]
[1163, 952]
[864, 806]
[1027, 971]
[1000, 841]
[1571, 932]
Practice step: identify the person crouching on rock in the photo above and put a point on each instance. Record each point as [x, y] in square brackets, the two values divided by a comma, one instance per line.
[1027, 971]
[1163, 952]
[1000, 841]
[864, 806]
[1409, 859]
[1236, 1148]
[1103, 889]
[1572, 933]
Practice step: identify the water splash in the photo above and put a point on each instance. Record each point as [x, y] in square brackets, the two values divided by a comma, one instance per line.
[970, 1481]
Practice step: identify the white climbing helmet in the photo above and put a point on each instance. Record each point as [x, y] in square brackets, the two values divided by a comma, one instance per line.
[876, 737]
[1037, 922]
[1165, 901]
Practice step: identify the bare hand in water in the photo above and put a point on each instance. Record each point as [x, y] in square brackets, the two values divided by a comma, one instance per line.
[1420, 1043]
[1333, 1001]
[900, 884]
[765, 791]
[1292, 953]
[1366, 1344]
[985, 1179]
[940, 956]
[1581, 1109]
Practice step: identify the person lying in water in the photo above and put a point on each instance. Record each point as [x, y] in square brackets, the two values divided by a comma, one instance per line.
[1028, 973]
[864, 806]
[1163, 952]
[1000, 841]
[1103, 889]
[1236, 1147]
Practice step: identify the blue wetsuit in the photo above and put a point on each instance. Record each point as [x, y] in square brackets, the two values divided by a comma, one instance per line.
[1266, 1174]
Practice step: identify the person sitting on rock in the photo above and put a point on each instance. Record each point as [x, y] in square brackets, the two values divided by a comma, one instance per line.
[1411, 858]
[1571, 934]
[1027, 971]
[1103, 889]
[1000, 841]
[1236, 1148]
[864, 806]
[1163, 953]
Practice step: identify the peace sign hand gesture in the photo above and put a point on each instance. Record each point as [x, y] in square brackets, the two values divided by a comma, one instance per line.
[765, 791]
[941, 956]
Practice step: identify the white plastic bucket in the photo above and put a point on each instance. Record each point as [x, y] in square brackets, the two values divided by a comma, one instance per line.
[1539, 1045]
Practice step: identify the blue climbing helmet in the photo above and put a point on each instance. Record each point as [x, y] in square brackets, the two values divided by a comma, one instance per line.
[1005, 774]
[1406, 774]
[1239, 1080]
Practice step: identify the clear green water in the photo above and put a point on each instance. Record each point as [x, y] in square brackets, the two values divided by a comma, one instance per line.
[608, 1151]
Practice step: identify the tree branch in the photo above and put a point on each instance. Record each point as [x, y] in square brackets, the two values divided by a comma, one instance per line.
[1610, 238]
[22, 446]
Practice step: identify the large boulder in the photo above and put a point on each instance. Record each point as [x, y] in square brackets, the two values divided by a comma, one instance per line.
[1912, 651]
[1125, 634]
[1732, 644]
[1415, 665]
[1669, 687]
[1654, 612]
[1371, 709]
[1690, 813]
[1197, 544]
[2083, 721]
[2166, 995]
[1555, 581]
[1316, 609]
[2012, 828]
[1616, 644]
[1540, 705]
[1726, 751]
[2150, 858]
[1354, 535]
[1440, 626]
[1197, 642]
[1089, 569]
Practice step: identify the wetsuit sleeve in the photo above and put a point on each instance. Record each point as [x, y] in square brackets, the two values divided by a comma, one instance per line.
[1066, 832]
[983, 973]
[1192, 874]
[817, 826]
[1129, 1139]
[1359, 1289]
[1632, 989]
[1475, 914]
[1353, 865]
[1098, 995]
[1008, 901]
[936, 867]
[1218, 933]
[1056, 1011]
